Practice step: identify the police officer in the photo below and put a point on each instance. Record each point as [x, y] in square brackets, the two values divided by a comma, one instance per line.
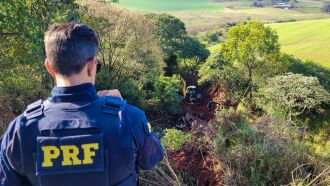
[76, 137]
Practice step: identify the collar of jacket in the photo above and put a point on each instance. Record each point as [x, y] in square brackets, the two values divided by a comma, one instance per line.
[83, 93]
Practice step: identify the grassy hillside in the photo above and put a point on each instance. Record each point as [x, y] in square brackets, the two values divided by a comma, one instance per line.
[308, 40]
[170, 5]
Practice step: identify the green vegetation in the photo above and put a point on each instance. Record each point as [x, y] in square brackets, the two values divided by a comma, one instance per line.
[23, 76]
[310, 68]
[177, 44]
[244, 60]
[131, 56]
[281, 114]
[307, 40]
[267, 155]
[165, 98]
[174, 139]
[294, 96]
[211, 37]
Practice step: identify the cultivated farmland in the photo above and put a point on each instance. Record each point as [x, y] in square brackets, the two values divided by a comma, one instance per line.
[308, 40]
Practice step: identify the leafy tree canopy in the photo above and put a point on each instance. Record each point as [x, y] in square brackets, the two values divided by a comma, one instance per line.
[296, 95]
[171, 32]
[249, 46]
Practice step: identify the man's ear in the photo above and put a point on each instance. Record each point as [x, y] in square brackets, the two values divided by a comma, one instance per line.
[91, 67]
[50, 69]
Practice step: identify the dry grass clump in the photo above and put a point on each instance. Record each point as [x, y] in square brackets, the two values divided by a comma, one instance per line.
[163, 174]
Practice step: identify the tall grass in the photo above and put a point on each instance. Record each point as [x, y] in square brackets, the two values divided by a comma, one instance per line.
[163, 174]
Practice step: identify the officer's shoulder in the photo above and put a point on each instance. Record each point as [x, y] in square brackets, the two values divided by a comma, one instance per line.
[112, 105]
[16, 124]
[134, 111]
[139, 118]
[34, 110]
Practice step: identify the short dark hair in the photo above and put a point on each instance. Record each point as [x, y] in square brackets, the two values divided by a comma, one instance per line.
[69, 47]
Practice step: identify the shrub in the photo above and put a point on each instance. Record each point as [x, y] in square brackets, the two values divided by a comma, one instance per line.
[294, 95]
[264, 153]
[309, 68]
[134, 94]
[174, 138]
[211, 37]
[165, 95]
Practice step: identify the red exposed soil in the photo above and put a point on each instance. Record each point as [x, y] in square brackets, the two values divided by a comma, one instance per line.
[204, 167]
[200, 165]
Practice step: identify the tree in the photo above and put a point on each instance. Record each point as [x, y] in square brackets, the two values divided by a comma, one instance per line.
[244, 61]
[294, 95]
[171, 33]
[129, 52]
[23, 78]
[250, 47]
[193, 54]
[220, 71]
[22, 25]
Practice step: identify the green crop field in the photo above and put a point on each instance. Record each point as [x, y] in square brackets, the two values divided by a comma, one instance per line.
[308, 40]
[170, 5]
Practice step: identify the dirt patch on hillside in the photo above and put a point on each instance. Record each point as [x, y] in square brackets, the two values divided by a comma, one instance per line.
[195, 157]
[202, 166]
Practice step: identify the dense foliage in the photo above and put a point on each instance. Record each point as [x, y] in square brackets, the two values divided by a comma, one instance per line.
[284, 105]
[165, 97]
[131, 56]
[248, 56]
[174, 139]
[219, 70]
[176, 43]
[266, 152]
[22, 24]
[293, 95]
